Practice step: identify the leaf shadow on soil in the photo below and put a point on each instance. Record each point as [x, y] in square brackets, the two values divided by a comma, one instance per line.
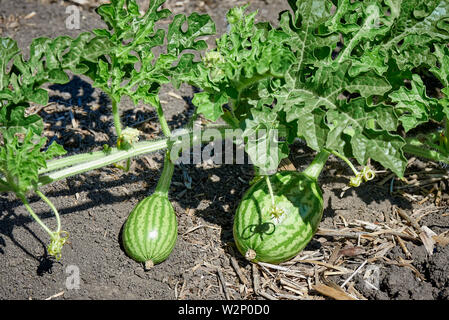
[7, 223]
[78, 100]
[78, 95]
[80, 91]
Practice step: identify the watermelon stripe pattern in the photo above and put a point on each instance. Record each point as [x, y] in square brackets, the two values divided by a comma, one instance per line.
[151, 230]
[275, 240]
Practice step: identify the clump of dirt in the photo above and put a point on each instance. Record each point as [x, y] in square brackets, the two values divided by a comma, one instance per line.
[436, 269]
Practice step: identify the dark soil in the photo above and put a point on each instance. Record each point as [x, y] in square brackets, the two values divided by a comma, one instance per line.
[94, 206]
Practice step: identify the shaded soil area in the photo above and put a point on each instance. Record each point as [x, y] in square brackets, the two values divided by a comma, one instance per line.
[364, 246]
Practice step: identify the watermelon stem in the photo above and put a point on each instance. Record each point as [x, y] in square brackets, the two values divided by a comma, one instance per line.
[117, 123]
[34, 215]
[162, 121]
[52, 207]
[314, 169]
[366, 174]
[270, 189]
[275, 211]
[163, 185]
[348, 162]
[164, 182]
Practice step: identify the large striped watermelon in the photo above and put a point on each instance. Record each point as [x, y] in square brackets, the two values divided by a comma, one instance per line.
[260, 235]
[150, 232]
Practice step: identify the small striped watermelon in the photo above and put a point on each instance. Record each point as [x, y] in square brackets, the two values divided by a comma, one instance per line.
[151, 230]
[261, 236]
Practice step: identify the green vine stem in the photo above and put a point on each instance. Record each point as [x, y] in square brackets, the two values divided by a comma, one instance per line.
[53, 208]
[270, 189]
[162, 120]
[313, 171]
[115, 155]
[34, 215]
[366, 174]
[163, 184]
[68, 161]
[116, 116]
[446, 132]
[345, 159]
[275, 211]
[65, 168]
[416, 148]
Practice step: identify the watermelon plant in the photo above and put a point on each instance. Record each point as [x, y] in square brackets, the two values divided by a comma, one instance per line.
[352, 79]
[346, 77]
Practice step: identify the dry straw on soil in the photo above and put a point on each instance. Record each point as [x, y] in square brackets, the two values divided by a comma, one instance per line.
[353, 248]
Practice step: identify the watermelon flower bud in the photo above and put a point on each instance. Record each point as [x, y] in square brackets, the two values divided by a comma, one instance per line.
[130, 135]
[212, 58]
[127, 138]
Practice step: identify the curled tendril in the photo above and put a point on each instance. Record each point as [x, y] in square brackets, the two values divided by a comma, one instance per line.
[56, 243]
[366, 174]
